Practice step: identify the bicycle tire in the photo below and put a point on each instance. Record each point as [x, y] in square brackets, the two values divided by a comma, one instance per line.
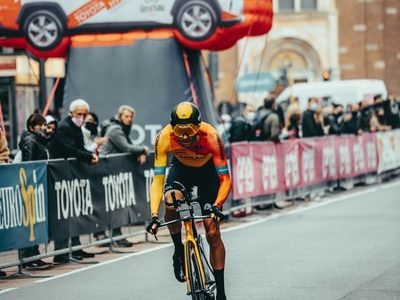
[196, 283]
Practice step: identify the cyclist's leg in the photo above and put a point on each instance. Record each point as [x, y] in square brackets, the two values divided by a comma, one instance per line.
[217, 248]
[208, 191]
[217, 255]
[176, 172]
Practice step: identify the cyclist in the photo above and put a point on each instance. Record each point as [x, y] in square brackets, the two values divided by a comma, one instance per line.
[199, 163]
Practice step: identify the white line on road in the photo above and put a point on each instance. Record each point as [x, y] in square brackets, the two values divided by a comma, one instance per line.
[252, 223]
[7, 290]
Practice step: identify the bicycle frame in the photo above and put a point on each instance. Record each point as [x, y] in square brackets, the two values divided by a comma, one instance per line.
[192, 238]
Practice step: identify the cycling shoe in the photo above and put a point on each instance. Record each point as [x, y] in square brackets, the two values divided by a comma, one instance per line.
[178, 267]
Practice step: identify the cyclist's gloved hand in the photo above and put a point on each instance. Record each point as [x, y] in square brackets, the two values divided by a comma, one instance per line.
[153, 225]
[216, 213]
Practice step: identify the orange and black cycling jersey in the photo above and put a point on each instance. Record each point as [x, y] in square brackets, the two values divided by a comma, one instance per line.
[209, 146]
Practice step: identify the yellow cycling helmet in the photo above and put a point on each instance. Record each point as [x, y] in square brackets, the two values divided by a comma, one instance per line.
[185, 120]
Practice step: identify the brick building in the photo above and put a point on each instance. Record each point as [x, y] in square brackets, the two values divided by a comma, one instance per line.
[349, 38]
[369, 40]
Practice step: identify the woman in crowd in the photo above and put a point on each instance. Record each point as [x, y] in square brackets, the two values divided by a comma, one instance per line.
[33, 147]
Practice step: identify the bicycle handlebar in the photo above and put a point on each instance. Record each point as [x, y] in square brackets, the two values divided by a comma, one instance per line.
[183, 219]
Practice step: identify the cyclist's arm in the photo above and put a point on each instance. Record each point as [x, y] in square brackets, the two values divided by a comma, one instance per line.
[160, 162]
[221, 166]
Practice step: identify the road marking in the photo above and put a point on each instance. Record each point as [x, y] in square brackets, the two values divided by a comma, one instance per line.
[7, 290]
[251, 223]
[105, 263]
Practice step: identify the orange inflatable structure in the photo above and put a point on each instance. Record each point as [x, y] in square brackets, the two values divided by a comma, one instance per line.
[256, 19]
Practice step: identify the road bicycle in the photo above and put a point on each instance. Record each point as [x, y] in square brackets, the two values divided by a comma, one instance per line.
[198, 271]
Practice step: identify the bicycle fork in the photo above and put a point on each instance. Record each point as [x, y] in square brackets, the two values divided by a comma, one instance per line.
[190, 239]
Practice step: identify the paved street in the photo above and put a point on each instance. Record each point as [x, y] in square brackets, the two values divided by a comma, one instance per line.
[347, 247]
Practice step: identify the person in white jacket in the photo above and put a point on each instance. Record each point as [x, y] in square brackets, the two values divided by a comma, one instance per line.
[92, 141]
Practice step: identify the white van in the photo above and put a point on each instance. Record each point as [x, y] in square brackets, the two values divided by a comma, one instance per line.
[341, 92]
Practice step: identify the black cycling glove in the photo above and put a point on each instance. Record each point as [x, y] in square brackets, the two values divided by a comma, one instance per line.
[217, 213]
[154, 220]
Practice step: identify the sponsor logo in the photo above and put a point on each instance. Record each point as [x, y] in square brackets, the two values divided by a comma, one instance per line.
[244, 175]
[152, 6]
[23, 204]
[269, 172]
[119, 191]
[74, 198]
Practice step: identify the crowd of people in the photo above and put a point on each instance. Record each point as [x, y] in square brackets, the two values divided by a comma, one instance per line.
[271, 123]
[76, 136]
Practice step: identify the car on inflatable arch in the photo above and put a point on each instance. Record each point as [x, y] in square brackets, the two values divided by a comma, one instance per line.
[44, 24]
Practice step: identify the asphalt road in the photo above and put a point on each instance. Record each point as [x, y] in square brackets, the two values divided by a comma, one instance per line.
[348, 248]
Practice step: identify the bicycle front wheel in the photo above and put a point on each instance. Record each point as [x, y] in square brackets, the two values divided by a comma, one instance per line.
[196, 281]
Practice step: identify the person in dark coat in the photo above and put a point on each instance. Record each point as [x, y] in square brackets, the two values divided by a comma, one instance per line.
[241, 127]
[311, 124]
[33, 147]
[351, 120]
[266, 124]
[336, 120]
[68, 143]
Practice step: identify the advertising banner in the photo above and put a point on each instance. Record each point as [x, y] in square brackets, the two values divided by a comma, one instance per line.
[288, 162]
[87, 199]
[23, 205]
[388, 144]
[309, 162]
[243, 171]
[327, 168]
[344, 146]
[372, 151]
[266, 168]
[262, 168]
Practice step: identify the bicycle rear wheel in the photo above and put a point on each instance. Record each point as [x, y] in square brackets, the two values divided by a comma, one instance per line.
[197, 284]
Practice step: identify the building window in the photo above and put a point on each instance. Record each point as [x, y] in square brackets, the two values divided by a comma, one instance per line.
[308, 4]
[296, 5]
[286, 5]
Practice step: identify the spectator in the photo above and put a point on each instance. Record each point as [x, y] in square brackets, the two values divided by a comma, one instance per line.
[51, 127]
[336, 120]
[68, 142]
[312, 120]
[119, 141]
[90, 133]
[292, 129]
[351, 120]
[33, 146]
[393, 118]
[4, 158]
[366, 111]
[377, 100]
[375, 123]
[4, 151]
[241, 128]
[281, 114]
[266, 124]
[293, 108]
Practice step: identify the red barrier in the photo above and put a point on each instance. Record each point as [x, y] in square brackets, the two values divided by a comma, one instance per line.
[262, 168]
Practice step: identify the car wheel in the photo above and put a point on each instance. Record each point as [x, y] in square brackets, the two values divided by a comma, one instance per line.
[43, 29]
[196, 20]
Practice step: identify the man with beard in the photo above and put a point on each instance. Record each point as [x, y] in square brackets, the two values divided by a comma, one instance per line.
[119, 141]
